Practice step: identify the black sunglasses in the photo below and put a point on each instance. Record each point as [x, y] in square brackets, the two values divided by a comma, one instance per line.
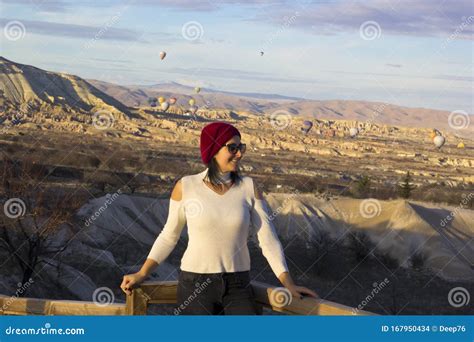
[233, 148]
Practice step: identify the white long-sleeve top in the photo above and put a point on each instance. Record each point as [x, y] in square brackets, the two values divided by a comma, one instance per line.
[218, 228]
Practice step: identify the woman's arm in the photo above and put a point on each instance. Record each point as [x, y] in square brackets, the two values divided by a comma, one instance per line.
[271, 248]
[163, 245]
[148, 266]
[169, 236]
[267, 238]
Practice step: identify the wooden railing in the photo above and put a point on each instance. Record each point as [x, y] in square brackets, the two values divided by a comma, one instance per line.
[163, 292]
[36, 306]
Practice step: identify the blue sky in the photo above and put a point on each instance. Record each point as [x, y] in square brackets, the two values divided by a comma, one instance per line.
[414, 53]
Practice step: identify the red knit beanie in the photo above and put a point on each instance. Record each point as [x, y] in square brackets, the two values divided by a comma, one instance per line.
[213, 137]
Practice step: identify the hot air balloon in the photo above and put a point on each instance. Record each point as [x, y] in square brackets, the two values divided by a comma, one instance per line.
[306, 126]
[162, 55]
[193, 109]
[461, 145]
[432, 135]
[192, 102]
[164, 106]
[197, 90]
[152, 101]
[439, 141]
[353, 131]
[172, 100]
[161, 99]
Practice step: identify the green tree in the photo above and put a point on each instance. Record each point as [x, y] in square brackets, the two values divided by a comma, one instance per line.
[363, 187]
[405, 189]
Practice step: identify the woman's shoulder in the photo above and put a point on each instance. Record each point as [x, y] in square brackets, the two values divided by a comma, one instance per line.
[189, 180]
[250, 185]
[185, 184]
[247, 179]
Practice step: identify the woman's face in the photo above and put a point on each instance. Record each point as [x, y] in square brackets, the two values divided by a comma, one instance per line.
[227, 161]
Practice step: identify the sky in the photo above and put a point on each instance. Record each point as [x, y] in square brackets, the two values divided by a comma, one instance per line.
[416, 53]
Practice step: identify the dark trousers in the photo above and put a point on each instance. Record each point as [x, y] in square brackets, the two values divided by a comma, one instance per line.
[215, 294]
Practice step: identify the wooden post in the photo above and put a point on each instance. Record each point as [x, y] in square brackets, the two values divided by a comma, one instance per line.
[137, 302]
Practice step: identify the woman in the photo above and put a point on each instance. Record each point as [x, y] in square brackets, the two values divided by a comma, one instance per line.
[218, 205]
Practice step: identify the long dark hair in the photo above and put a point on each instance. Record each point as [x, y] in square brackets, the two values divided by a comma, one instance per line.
[213, 174]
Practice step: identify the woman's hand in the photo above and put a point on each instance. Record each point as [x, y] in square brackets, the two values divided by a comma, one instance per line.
[296, 290]
[300, 291]
[130, 281]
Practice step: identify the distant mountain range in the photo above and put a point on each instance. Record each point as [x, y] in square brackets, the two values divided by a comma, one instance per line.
[23, 85]
[376, 112]
[187, 90]
[137, 96]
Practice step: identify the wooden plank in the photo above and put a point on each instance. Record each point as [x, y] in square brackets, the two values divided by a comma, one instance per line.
[160, 292]
[163, 292]
[37, 306]
[305, 306]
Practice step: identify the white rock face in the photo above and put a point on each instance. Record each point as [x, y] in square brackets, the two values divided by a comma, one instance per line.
[396, 227]
[118, 240]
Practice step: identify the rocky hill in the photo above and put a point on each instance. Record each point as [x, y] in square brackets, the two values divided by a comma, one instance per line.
[33, 91]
